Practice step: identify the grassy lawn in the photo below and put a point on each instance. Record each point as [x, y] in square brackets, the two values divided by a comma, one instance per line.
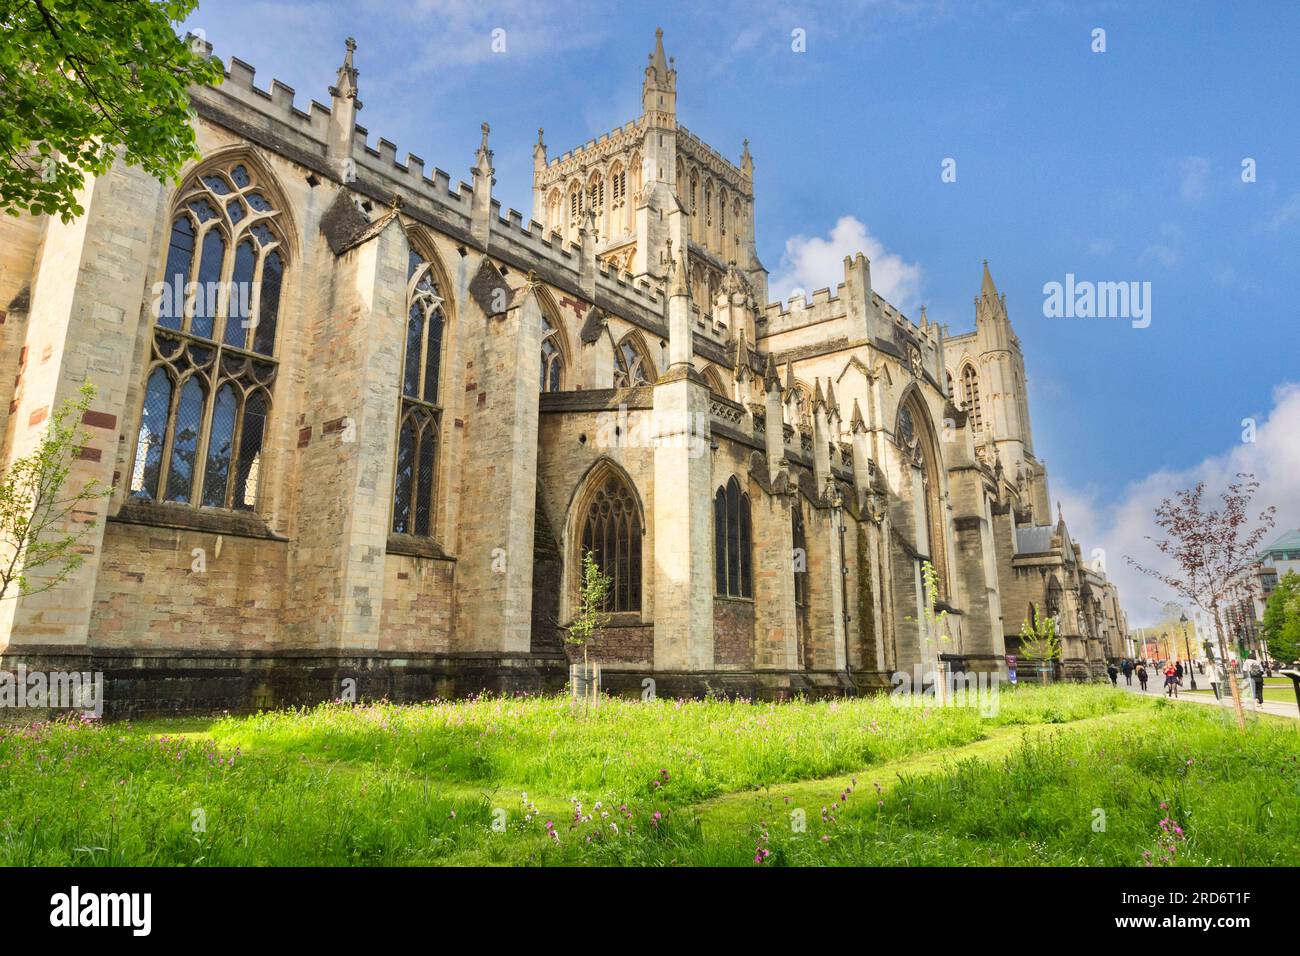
[1059, 775]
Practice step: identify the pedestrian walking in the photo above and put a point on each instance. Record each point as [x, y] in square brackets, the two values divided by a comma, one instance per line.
[1142, 677]
[1127, 668]
[1171, 681]
[1113, 673]
[1254, 672]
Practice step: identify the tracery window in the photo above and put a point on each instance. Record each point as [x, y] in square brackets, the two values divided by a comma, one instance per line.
[611, 532]
[420, 413]
[212, 367]
[552, 357]
[970, 389]
[631, 365]
[732, 540]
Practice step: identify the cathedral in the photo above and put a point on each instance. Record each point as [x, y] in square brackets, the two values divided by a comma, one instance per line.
[360, 428]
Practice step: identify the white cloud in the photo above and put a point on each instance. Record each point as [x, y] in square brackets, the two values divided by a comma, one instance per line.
[1122, 527]
[815, 262]
[1194, 178]
[1285, 214]
[1167, 252]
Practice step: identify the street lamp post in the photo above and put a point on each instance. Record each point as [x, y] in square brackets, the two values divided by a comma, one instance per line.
[1191, 664]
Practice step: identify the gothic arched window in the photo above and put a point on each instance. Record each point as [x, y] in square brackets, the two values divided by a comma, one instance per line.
[420, 414]
[212, 366]
[611, 532]
[970, 396]
[618, 200]
[800, 557]
[631, 364]
[552, 357]
[555, 212]
[732, 540]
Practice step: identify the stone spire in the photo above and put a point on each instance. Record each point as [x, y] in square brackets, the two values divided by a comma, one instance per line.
[482, 174]
[857, 424]
[681, 349]
[539, 168]
[771, 378]
[344, 106]
[989, 304]
[747, 162]
[346, 84]
[659, 90]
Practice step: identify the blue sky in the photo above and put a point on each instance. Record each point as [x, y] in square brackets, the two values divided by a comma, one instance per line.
[1115, 166]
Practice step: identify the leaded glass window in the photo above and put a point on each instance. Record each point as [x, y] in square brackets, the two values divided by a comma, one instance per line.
[732, 542]
[212, 366]
[420, 418]
[611, 532]
[552, 358]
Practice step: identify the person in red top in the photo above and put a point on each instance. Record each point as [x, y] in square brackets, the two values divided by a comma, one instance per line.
[1171, 680]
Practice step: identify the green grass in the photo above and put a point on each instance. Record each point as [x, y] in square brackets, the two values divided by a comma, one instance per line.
[703, 782]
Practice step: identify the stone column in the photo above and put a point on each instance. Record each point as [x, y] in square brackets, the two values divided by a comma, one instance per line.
[494, 570]
[89, 303]
[346, 468]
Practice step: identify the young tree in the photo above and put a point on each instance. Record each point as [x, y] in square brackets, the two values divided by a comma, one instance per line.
[1211, 551]
[1040, 642]
[85, 78]
[591, 617]
[1281, 625]
[35, 508]
[936, 627]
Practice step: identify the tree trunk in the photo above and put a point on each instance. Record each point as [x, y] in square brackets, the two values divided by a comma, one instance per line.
[1232, 675]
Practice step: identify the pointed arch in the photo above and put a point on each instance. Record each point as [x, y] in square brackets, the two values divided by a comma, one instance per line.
[607, 519]
[714, 380]
[267, 182]
[215, 331]
[732, 541]
[556, 357]
[970, 395]
[555, 211]
[619, 207]
[416, 486]
[916, 438]
[632, 362]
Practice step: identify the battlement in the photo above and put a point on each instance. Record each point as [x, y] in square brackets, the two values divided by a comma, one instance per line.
[721, 165]
[798, 312]
[614, 140]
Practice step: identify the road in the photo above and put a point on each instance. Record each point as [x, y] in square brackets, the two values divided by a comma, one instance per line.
[1155, 688]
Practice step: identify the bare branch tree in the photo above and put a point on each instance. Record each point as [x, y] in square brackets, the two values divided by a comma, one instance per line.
[1212, 550]
[40, 526]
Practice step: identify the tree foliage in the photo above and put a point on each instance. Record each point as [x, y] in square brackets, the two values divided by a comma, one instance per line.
[1281, 625]
[39, 524]
[1040, 642]
[85, 79]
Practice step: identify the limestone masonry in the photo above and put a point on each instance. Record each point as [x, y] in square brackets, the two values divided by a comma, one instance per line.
[361, 426]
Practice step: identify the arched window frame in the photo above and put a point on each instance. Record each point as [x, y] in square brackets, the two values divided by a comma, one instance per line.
[554, 353]
[733, 540]
[218, 376]
[915, 437]
[609, 523]
[418, 444]
[632, 363]
[970, 396]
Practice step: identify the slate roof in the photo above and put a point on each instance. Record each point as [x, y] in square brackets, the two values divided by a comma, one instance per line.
[1035, 540]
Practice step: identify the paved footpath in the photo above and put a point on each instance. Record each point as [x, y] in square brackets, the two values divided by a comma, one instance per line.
[1247, 701]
